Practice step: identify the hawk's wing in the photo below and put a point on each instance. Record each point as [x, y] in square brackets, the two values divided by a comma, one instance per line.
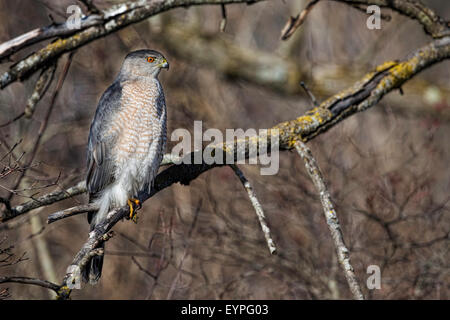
[100, 162]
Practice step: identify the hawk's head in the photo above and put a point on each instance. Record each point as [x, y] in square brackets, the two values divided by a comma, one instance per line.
[146, 63]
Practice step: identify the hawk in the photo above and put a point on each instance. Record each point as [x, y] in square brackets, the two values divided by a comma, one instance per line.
[127, 140]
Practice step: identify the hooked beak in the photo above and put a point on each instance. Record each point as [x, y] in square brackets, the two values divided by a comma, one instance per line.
[165, 64]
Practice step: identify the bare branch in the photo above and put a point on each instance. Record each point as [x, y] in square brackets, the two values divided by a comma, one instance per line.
[258, 209]
[40, 34]
[7, 257]
[41, 87]
[71, 212]
[111, 20]
[295, 22]
[4, 294]
[7, 123]
[433, 25]
[223, 22]
[364, 94]
[310, 94]
[331, 218]
[44, 200]
[188, 236]
[32, 281]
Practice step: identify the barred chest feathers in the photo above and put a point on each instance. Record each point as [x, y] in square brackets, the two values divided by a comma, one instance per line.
[142, 137]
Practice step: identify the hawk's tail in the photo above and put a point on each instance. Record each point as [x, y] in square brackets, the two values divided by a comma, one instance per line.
[104, 199]
[93, 269]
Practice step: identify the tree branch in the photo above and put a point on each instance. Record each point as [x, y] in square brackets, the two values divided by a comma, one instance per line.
[44, 200]
[41, 87]
[32, 281]
[295, 22]
[433, 25]
[71, 212]
[281, 74]
[258, 209]
[364, 94]
[331, 218]
[112, 19]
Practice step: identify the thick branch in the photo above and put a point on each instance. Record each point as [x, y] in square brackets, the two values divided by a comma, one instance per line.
[40, 34]
[363, 94]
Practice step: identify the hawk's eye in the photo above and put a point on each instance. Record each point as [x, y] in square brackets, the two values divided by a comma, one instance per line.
[150, 59]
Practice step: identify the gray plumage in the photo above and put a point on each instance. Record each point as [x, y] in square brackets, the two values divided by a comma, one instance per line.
[127, 139]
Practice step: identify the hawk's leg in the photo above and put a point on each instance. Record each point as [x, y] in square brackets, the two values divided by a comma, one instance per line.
[132, 203]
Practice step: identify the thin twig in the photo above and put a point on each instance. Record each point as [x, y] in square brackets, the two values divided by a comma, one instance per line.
[44, 123]
[186, 248]
[7, 123]
[258, 209]
[177, 276]
[141, 268]
[310, 94]
[223, 21]
[295, 22]
[331, 218]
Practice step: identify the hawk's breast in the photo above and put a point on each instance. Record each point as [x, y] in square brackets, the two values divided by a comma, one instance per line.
[139, 122]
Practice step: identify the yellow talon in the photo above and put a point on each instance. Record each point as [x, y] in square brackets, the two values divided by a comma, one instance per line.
[131, 203]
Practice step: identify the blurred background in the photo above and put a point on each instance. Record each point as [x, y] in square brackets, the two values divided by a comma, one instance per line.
[386, 168]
